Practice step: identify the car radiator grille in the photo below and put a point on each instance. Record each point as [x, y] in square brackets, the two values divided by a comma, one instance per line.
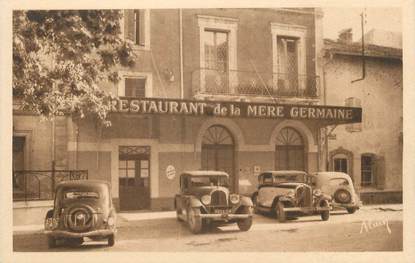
[218, 198]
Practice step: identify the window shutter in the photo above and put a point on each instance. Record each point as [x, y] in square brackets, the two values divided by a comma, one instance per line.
[129, 24]
[379, 172]
[141, 27]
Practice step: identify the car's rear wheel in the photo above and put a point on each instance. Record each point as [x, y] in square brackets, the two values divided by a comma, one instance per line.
[52, 242]
[246, 223]
[351, 210]
[111, 240]
[281, 215]
[325, 215]
[194, 220]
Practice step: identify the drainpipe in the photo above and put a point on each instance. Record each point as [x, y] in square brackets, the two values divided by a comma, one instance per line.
[181, 52]
[326, 141]
[362, 15]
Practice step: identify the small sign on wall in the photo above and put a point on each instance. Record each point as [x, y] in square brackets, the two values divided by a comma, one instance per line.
[170, 172]
[257, 170]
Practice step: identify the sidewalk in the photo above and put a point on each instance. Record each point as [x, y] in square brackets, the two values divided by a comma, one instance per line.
[124, 217]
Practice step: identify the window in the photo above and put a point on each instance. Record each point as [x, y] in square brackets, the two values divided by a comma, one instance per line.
[18, 152]
[289, 59]
[135, 85]
[367, 169]
[136, 26]
[217, 54]
[340, 165]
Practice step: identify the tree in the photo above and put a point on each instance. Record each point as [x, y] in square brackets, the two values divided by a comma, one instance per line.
[60, 58]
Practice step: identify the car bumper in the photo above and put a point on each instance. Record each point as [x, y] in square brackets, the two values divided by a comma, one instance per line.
[226, 216]
[350, 205]
[68, 234]
[301, 209]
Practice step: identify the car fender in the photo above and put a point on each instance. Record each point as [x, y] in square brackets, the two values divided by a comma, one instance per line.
[194, 202]
[246, 201]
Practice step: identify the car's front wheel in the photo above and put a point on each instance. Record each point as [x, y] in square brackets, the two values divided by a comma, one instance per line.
[51, 242]
[281, 215]
[111, 240]
[194, 220]
[246, 223]
[325, 214]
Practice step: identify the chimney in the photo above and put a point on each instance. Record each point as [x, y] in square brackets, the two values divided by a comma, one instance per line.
[345, 36]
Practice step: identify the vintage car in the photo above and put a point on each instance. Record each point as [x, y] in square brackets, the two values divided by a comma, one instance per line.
[205, 199]
[287, 193]
[82, 208]
[340, 187]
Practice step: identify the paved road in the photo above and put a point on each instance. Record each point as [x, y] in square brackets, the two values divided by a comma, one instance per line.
[369, 229]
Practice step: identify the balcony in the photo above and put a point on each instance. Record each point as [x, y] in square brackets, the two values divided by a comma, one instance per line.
[255, 84]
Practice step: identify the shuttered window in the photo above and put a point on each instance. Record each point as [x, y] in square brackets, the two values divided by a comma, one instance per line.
[134, 26]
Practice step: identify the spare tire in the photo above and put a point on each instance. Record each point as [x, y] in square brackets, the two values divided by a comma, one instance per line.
[342, 196]
[81, 217]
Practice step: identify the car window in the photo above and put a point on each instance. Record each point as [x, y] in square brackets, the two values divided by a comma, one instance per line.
[267, 179]
[289, 178]
[338, 182]
[81, 195]
[209, 181]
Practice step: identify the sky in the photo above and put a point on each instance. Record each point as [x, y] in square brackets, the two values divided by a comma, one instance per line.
[336, 19]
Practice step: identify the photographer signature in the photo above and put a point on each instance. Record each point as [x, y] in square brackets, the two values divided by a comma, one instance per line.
[368, 225]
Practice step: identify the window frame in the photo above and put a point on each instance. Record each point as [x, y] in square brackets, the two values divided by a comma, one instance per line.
[289, 31]
[372, 170]
[148, 86]
[219, 24]
[147, 27]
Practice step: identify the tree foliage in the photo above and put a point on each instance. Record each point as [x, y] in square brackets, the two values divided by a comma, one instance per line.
[60, 58]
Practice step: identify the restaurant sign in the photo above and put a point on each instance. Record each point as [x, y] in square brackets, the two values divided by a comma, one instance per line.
[236, 109]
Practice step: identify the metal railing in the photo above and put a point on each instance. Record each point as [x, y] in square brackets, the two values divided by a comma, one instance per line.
[250, 83]
[29, 185]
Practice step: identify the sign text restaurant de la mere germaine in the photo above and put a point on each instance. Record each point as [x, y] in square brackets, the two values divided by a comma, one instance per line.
[237, 109]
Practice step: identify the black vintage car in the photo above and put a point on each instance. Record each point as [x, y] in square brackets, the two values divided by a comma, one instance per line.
[204, 199]
[81, 209]
[289, 193]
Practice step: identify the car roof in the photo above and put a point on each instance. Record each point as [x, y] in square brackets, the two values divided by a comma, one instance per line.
[205, 173]
[75, 183]
[333, 174]
[284, 172]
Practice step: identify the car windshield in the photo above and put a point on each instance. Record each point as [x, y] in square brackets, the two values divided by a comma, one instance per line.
[80, 195]
[209, 181]
[289, 178]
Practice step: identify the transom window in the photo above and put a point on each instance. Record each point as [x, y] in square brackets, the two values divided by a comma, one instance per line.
[217, 135]
[289, 136]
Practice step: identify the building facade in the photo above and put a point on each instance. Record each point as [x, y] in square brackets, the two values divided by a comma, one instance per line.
[371, 151]
[237, 90]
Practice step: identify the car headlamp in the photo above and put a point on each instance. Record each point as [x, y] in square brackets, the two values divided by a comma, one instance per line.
[111, 221]
[317, 192]
[206, 199]
[234, 198]
[291, 193]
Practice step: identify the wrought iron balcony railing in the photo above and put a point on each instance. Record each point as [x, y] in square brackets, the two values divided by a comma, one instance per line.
[40, 184]
[247, 83]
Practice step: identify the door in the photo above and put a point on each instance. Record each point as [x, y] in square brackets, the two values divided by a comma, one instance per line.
[289, 152]
[134, 177]
[218, 152]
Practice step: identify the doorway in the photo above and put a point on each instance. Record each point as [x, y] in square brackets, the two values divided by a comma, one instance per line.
[218, 152]
[134, 177]
[289, 150]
